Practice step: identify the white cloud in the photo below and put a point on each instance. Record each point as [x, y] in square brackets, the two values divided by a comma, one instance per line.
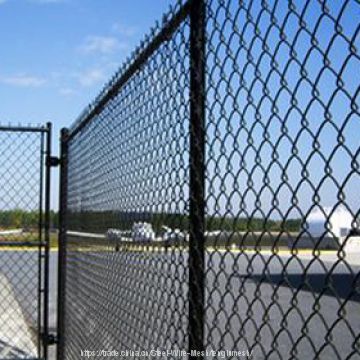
[102, 44]
[46, 1]
[124, 30]
[23, 80]
[67, 91]
[90, 77]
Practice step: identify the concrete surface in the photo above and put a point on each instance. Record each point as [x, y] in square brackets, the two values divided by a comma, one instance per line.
[268, 292]
[16, 338]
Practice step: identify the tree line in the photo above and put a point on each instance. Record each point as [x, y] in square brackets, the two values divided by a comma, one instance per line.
[100, 221]
[19, 218]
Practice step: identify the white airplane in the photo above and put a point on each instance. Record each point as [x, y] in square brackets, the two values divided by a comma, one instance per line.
[11, 232]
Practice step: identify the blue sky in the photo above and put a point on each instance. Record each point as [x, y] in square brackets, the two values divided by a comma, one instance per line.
[56, 55]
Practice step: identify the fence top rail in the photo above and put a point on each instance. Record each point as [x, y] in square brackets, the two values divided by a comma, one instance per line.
[159, 34]
[20, 128]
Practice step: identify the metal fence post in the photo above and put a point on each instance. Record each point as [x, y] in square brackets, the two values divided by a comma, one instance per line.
[41, 247]
[62, 241]
[47, 239]
[197, 180]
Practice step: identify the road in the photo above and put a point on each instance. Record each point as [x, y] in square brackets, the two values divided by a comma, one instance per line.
[255, 301]
[19, 271]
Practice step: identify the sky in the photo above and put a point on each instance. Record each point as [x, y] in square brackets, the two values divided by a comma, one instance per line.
[56, 55]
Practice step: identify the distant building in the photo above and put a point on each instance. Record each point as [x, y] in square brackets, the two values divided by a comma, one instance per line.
[327, 228]
[329, 222]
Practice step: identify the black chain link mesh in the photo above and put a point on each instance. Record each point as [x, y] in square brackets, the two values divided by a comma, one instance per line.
[282, 206]
[21, 159]
[282, 172]
[129, 166]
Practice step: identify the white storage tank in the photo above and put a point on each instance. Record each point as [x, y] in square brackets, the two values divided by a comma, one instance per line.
[339, 222]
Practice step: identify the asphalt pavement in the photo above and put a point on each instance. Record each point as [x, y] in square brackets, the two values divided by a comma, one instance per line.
[278, 306]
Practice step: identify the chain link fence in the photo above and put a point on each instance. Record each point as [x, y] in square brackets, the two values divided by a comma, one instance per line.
[209, 204]
[22, 248]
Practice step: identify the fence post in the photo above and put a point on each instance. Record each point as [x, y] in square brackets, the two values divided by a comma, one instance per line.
[47, 240]
[62, 241]
[197, 180]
